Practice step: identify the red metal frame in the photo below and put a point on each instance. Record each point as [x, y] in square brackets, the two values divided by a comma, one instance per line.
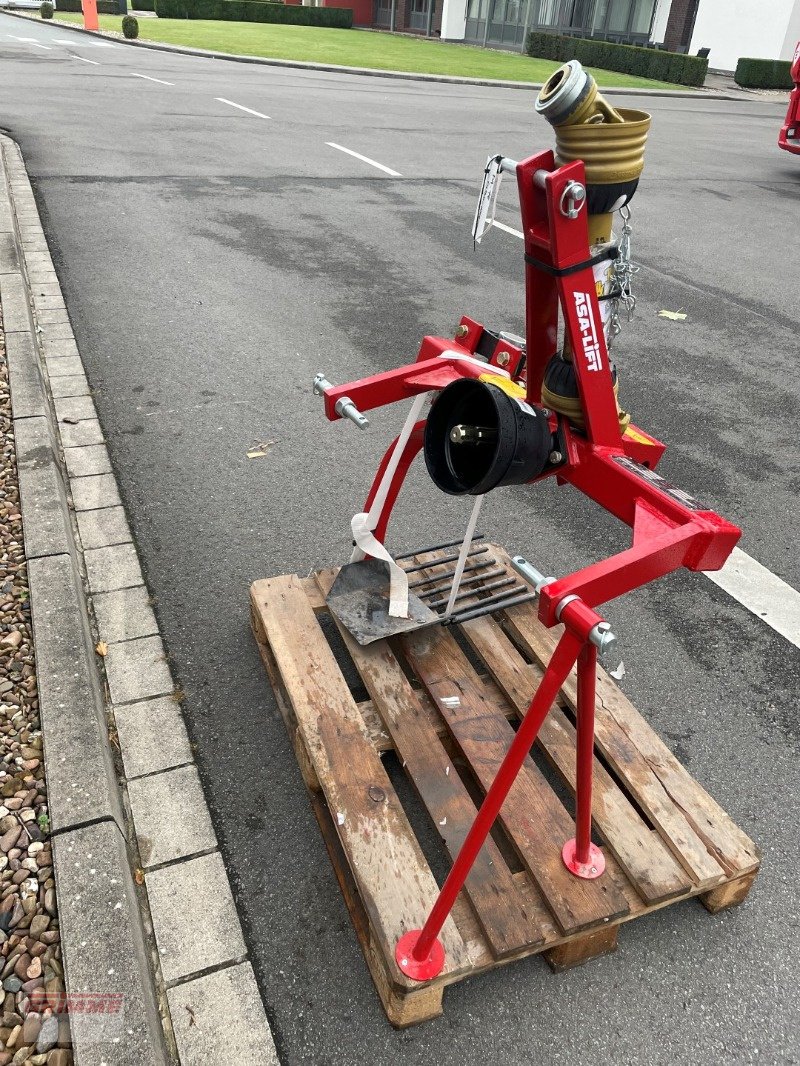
[669, 529]
[789, 137]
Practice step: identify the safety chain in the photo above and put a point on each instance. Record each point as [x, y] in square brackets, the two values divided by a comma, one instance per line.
[622, 273]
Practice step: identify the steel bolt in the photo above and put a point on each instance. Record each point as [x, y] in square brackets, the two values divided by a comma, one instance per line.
[503, 359]
[461, 331]
[555, 457]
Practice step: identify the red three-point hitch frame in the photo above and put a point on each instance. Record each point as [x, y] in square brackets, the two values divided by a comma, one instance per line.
[670, 529]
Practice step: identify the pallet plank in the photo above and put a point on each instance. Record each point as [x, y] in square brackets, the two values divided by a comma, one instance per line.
[394, 881]
[634, 752]
[507, 919]
[640, 853]
[532, 815]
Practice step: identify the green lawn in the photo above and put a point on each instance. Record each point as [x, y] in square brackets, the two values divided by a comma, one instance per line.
[355, 48]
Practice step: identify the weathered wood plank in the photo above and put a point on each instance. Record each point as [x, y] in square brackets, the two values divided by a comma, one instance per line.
[394, 881]
[507, 920]
[640, 853]
[532, 815]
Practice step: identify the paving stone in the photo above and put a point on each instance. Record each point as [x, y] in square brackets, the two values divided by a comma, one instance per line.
[152, 736]
[125, 614]
[105, 527]
[74, 407]
[90, 493]
[48, 318]
[104, 949]
[44, 287]
[137, 669]
[60, 348]
[46, 302]
[64, 367]
[9, 260]
[179, 894]
[113, 567]
[171, 817]
[27, 393]
[14, 298]
[58, 330]
[79, 771]
[82, 462]
[74, 386]
[220, 1018]
[41, 490]
[85, 433]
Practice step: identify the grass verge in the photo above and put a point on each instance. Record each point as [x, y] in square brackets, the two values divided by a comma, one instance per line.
[355, 48]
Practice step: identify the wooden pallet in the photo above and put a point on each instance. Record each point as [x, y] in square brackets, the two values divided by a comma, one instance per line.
[445, 703]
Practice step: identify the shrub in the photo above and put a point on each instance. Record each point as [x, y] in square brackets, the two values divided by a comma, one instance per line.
[254, 11]
[625, 58]
[46, 10]
[764, 74]
[145, 5]
[130, 27]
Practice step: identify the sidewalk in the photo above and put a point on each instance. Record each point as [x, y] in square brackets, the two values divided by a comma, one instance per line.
[134, 852]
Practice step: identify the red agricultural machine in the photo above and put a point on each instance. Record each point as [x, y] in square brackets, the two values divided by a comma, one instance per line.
[789, 137]
[470, 661]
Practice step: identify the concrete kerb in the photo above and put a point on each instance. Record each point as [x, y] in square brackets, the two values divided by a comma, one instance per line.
[332, 68]
[123, 787]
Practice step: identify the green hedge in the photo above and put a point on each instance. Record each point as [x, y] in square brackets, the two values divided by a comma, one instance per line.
[764, 74]
[104, 7]
[254, 11]
[626, 58]
[142, 5]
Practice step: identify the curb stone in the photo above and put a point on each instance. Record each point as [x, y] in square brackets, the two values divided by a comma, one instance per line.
[135, 852]
[332, 68]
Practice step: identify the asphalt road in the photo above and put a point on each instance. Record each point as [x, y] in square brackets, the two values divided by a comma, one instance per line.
[213, 261]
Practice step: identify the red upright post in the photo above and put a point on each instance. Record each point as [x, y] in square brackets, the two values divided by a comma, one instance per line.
[580, 855]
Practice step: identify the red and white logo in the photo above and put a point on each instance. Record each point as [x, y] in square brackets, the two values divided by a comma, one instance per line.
[591, 347]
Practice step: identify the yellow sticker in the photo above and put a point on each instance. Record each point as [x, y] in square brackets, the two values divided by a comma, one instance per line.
[634, 434]
[509, 387]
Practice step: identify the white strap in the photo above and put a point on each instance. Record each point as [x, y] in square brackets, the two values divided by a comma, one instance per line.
[462, 555]
[363, 524]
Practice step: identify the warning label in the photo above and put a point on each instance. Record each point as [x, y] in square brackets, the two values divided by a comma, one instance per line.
[660, 483]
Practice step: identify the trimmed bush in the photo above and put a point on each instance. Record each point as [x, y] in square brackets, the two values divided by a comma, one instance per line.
[254, 11]
[144, 5]
[46, 10]
[104, 7]
[130, 27]
[764, 74]
[625, 58]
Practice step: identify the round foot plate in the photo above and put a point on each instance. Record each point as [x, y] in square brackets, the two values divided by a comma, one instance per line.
[587, 870]
[418, 969]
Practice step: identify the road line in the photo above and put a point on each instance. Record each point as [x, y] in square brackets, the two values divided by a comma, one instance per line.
[364, 159]
[84, 60]
[763, 593]
[148, 78]
[241, 107]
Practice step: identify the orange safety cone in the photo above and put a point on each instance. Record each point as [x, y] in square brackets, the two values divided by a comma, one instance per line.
[90, 15]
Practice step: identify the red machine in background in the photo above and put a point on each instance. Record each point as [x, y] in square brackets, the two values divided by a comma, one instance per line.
[789, 137]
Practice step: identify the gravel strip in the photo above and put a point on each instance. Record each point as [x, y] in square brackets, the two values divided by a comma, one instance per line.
[33, 1031]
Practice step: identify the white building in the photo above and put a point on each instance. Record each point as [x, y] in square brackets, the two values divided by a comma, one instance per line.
[764, 29]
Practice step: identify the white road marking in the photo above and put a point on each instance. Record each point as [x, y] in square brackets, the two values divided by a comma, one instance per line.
[148, 78]
[364, 159]
[84, 60]
[241, 107]
[763, 593]
[102, 44]
[31, 40]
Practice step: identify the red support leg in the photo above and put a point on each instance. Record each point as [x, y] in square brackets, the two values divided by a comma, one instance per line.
[580, 855]
[418, 953]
